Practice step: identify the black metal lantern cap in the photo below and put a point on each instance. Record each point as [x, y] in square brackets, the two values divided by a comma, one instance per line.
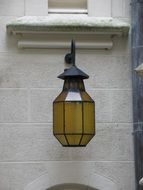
[73, 72]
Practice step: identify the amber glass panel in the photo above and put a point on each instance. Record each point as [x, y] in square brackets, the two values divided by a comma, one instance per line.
[73, 95]
[89, 117]
[58, 117]
[85, 96]
[85, 139]
[73, 117]
[73, 140]
[61, 139]
[61, 96]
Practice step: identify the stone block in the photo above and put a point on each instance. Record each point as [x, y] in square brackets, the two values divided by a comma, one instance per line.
[122, 106]
[8, 43]
[22, 174]
[19, 175]
[36, 8]
[108, 144]
[117, 8]
[41, 70]
[15, 176]
[122, 48]
[31, 70]
[5, 177]
[120, 172]
[95, 7]
[32, 142]
[127, 9]
[42, 104]
[103, 109]
[12, 8]
[121, 9]
[106, 71]
[14, 105]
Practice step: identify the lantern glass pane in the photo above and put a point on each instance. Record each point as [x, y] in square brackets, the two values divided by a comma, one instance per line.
[73, 117]
[85, 96]
[74, 140]
[73, 96]
[61, 96]
[61, 139]
[88, 117]
[85, 139]
[58, 117]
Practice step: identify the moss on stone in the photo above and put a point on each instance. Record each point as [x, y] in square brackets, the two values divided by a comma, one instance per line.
[69, 23]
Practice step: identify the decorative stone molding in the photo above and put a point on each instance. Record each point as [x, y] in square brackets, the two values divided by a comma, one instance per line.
[56, 31]
[97, 182]
[72, 181]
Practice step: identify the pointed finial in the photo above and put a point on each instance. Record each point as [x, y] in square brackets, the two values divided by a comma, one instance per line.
[70, 57]
[73, 51]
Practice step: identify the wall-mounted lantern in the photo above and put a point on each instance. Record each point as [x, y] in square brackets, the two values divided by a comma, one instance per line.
[73, 109]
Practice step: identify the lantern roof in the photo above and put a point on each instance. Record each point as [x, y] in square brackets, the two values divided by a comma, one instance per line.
[73, 72]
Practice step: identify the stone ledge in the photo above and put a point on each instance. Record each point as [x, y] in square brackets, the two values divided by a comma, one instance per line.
[69, 23]
[76, 26]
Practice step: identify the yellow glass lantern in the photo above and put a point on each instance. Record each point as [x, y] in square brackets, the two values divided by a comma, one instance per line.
[73, 109]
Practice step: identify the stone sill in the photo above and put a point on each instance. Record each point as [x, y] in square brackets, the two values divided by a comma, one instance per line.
[73, 26]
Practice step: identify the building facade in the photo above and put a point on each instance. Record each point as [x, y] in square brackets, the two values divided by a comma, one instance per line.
[30, 157]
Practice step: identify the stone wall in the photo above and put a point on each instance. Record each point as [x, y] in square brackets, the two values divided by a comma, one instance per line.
[28, 85]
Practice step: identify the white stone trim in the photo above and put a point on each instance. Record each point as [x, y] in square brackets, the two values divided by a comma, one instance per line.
[67, 181]
[96, 8]
[36, 8]
[99, 8]
[101, 183]
[29, 44]
[56, 31]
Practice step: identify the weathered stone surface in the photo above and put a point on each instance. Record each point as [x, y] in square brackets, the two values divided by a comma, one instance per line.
[31, 70]
[121, 8]
[12, 8]
[36, 8]
[122, 106]
[121, 172]
[106, 71]
[14, 105]
[7, 44]
[32, 142]
[69, 23]
[102, 97]
[19, 175]
[41, 70]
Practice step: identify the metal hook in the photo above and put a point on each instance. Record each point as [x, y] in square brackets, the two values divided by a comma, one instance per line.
[70, 57]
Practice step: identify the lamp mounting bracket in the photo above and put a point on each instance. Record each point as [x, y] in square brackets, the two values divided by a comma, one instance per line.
[70, 57]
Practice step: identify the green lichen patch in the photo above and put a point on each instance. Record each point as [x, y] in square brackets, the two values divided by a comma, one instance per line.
[69, 23]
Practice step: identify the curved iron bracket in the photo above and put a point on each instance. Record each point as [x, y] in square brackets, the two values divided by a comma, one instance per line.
[70, 57]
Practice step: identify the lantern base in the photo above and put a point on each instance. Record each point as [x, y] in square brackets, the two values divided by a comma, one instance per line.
[74, 146]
